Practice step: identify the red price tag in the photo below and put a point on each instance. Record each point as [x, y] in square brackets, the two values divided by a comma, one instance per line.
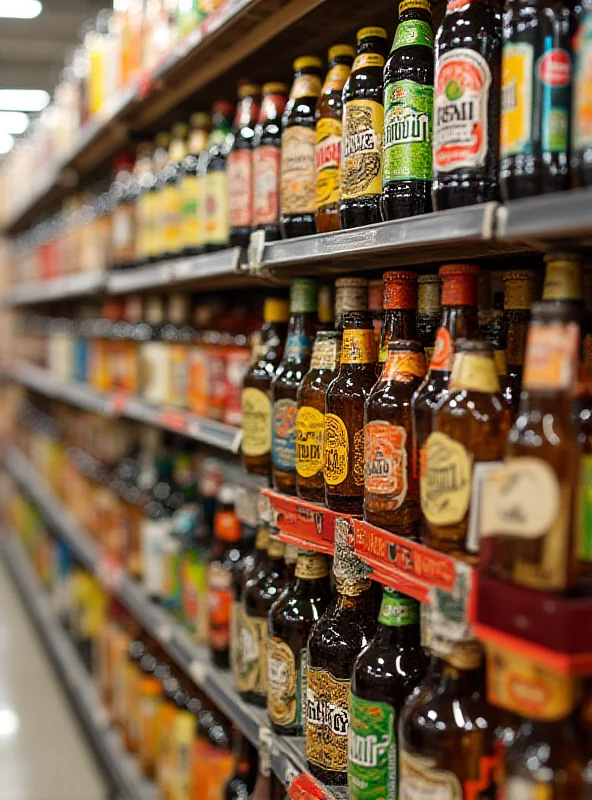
[304, 788]
[176, 420]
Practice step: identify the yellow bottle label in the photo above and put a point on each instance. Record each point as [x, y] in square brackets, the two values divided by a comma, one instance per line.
[298, 183]
[191, 231]
[563, 281]
[310, 424]
[251, 666]
[501, 365]
[216, 208]
[336, 450]
[184, 739]
[517, 75]
[368, 60]
[420, 779]
[475, 373]
[328, 160]
[335, 79]
[357, 347]
[361, 157]
[445, 480]
[306, 86]
[282, 684]
[172, 206]
[312, 566]
[256, 407]
[327, 720]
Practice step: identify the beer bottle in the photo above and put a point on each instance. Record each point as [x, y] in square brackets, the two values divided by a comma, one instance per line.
[384, 674]
[391, 489]
[256, 402]
[148, 201]
[333, 645]
[298, 185]
[142, 179]
[290, 621]
[260, 592]
[408, 102]
[536, 98]
[284, 386]
[310, 420]
[442, 751]
[564, 282]
[216, 182]
[344, 415]
[154, 362]
[123, 196]
[325, 308]
[328, 132]
[193, 207]
[240, 165]
[581, 118]
[376, 306]
[171, 193]
[363, 120]
[521, 290]
[400, 310]
[467, 104]
[428, 311]
[242, 782]
[351, 294]
[267, 154]
[526, 525]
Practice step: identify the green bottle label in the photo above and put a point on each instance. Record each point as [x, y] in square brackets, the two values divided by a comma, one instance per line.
[585, 545]
[397, 609]
[372, 757]
[407, 132]
[413, 32]
[303, 296]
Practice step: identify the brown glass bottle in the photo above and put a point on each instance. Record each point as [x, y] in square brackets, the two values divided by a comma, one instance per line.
[467, 104]
[344, 415]
[376, 306]
[400, 310]
[363, 120]
[284, 386]
[242, 782]
[334, 643]
[446, 736]
[239, 165]
[526, 521]
[260, 592]
[267, 154]
[387, 670]
[310, 420]
[521, 290]
[351, 294]
[469, 428]
[564, 282]
[325, 308]
[290, 621]
[256, 396]
[429, 288]
[298, 185]
[391, 489]
[328, 132]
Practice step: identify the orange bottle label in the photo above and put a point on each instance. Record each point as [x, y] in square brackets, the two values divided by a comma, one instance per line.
[386, 461]
[443, 351]
[198, 381]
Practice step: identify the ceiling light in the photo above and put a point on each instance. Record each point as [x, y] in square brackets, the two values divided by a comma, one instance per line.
[6, 143]
[14, 122]
[20, 9]
[23, 99]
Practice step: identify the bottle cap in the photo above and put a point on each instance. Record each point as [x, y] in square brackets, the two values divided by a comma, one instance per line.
[371, 32]
[341, 50]
[275, 88]
[400, 289]
[248, 89]
[162, 139]
[224, 107]
[180, 130]
[276, 310]
[307, 61]
[460, 284]
[201, 119]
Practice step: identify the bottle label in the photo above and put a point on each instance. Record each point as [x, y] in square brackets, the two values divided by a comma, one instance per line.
[239, 168]
[397, 610]
[220, 598]
[372, 760]
[328, 160]
[283, 685]
[251, 656]
[123, 230]
[475, 373]
[445, 480]
[266, 185]
[402, 367]
[368, 60]
[361, 157]
[585, 509]
[386, 463]
[327, 720]
[443, 353]
[336, 450]
[357, 347]
[303, 296]
[256, 407]
[551, 356]
[326, 353]
[582, 111]
[284, 435]
[191, 229]
[422, 780]
[407, 131]
[516, 788]
[298, 187]
[306, 86]
[336, 77]
[413, 32]
[171, 198]
[563, 280]
[298, 347]
[310, 424]
[216, 202]
[501, 365]
[311, 566]
[462, 84]
[517, 79]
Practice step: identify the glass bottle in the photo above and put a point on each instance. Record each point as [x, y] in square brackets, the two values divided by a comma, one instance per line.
[215, 177]
[256, 396]
[391, 489]
[363, 121]
[408, 104]
[400, 310]
[526, 520]
[148, 202]
[291, 618]
[240, 165]
[310, 419]
[193, 194]
[242, 782]
[376, 306]
[143, 177]
[429, 288]
[171, 193]
[284, 386]
[469, 428]
[326, 308]
[334, 643]
[351, 294]
[123, 222]
[564, 282]
[298, 186]
[467, 104]
[344, 415]
[384, 674]
[581, 120]
[328, 129]
[267, 154]
[154, 362]
[536, 98]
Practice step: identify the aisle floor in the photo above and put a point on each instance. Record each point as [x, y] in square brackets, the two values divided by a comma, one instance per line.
[44, 754]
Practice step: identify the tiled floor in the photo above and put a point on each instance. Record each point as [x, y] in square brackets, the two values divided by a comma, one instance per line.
[44, 754]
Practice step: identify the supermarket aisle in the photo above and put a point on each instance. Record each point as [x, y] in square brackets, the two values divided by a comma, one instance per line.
[43, 752]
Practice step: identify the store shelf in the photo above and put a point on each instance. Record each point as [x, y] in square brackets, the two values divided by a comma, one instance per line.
[65, 288]
[201, 429]
[122, 771]
[544, 221]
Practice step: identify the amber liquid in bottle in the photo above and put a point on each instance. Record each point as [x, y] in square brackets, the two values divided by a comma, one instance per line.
[400, 310]
[239, 166]
[310, 420]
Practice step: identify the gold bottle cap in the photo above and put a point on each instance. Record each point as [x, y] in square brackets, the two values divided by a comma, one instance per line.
[276, 310]
[275, 88]
[201, 119]
[366, 33]
[162, 139]
[180, 130]
[307, 61]
[248, 89]
[341, 50]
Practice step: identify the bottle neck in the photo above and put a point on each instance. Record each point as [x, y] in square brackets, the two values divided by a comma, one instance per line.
[403, 366]
[358, 348]
[474, 372]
